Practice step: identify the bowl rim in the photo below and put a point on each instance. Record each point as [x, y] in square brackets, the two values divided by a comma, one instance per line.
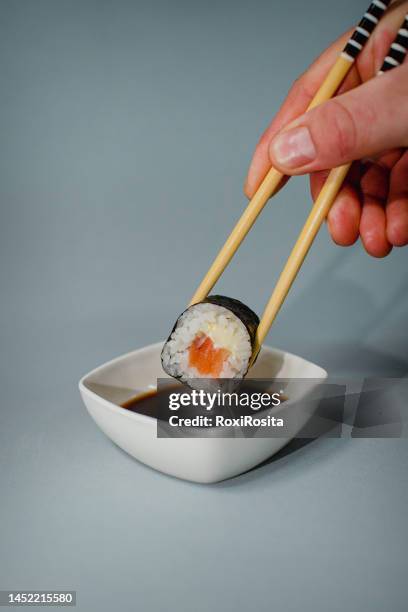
[144, 418]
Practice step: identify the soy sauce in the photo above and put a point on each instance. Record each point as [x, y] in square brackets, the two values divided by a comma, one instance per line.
[149, 403]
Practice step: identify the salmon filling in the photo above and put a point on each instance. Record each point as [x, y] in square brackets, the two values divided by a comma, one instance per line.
[208, 360]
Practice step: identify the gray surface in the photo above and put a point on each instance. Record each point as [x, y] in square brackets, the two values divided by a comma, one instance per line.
[126, 130]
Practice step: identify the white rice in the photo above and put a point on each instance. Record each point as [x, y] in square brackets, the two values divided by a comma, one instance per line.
[225, 330]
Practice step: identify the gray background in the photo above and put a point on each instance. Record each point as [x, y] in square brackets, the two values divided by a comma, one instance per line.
[126, 131]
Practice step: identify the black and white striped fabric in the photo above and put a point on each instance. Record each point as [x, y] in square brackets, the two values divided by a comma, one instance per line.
[398, 49]
[364, 29]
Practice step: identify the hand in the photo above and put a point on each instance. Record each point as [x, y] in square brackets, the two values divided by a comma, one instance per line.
[367, 121]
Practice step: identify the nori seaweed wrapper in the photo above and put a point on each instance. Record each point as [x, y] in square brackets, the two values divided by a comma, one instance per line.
[248, 317]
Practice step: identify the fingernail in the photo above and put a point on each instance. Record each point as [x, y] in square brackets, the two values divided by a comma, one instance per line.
[293, 148]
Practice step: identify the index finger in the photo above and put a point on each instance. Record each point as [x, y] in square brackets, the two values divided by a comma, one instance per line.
[298, 99]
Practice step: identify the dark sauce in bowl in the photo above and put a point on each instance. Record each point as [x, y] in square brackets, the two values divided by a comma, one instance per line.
[149, 403]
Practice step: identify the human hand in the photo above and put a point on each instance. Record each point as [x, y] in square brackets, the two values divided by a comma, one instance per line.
[367, 121]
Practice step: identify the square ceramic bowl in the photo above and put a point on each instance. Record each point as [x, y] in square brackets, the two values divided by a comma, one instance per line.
[204, 460]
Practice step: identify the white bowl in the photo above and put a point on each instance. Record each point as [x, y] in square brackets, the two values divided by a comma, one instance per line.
[204, 460]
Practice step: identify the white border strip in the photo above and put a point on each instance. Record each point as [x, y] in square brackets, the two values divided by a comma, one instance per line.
[398, 47]
[391, 60]
[347, 57]
[380, 4]
[363, 31]
[371, 18]
[355, 44]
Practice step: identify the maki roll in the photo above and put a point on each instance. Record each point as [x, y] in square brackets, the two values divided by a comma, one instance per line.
[212, 339]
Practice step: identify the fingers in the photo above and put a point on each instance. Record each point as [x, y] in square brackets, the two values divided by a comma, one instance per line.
[373, 223]
[297, 101]
[397, 205]
[344, 216]
[374, 181]
[359, 208]
[360, 123]
[373, 228]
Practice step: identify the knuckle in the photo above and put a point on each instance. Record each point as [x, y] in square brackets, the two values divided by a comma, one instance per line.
[301, 88]
[263, 141]
[344, 129]
[371, 58]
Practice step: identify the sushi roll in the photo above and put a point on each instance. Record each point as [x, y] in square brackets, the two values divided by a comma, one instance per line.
[212, 339]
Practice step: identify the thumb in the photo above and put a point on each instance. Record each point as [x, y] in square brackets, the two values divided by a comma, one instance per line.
[360, 123]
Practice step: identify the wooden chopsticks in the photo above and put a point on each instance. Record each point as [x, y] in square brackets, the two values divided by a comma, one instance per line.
[273, 179]
[320, 209]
